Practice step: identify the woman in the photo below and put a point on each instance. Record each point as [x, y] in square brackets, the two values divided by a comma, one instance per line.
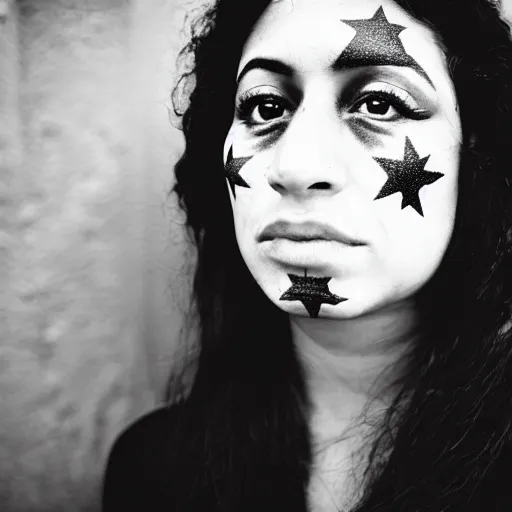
[347, 180]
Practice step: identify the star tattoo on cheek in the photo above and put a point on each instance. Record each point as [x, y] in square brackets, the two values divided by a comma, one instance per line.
[312, 292]
[233, 166]
[376, 43]
[407, 176]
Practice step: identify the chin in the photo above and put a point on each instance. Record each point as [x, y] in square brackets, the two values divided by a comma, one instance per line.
[347, 310]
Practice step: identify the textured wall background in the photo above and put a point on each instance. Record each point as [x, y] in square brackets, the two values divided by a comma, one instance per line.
[90, 260]
[92, 257]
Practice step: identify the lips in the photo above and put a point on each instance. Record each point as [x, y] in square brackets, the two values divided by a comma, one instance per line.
[306, 231]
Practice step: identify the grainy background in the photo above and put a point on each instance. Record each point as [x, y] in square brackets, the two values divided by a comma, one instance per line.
[91, 255]
[90, 258]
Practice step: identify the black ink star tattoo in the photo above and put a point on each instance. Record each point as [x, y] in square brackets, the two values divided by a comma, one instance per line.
[312, 292]
[233, 166]
[407, 176]
[376, 43]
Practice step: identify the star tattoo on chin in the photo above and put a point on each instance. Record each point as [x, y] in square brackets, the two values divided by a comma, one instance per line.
[376, 43]
[312, 292]
[233, 166]
[407, 176]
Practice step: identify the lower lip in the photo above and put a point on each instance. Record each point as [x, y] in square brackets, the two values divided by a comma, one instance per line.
[307, 252]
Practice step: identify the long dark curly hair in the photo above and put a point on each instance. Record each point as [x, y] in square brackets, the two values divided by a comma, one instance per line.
[445, 442]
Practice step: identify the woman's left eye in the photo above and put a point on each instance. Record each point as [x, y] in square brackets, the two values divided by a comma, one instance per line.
[377, 107]
[387, 107]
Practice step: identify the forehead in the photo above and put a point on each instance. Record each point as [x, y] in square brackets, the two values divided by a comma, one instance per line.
[310, 34]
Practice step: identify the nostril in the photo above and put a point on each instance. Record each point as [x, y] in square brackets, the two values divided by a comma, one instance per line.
[322, 185]
[277, 187]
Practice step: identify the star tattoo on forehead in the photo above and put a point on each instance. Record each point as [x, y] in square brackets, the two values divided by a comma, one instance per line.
[312, 292]
[376, 43]
[233, 166]
[407, 176]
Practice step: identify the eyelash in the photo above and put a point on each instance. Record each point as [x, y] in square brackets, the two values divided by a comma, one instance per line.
[248, 100]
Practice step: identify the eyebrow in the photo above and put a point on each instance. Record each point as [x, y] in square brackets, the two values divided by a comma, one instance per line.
[374, 59]
[275, 66]
[342, 62]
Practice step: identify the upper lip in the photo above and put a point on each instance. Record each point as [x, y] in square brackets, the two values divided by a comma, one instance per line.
[309, 230]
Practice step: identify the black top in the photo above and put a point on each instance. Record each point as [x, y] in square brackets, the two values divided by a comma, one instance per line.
[150, 469]
[145, 473]
[137, 476]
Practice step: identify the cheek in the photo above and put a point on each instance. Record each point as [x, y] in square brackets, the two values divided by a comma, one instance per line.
[410, 245]
[440, 198]
[415, 245]
[244, 144]
[246, 218]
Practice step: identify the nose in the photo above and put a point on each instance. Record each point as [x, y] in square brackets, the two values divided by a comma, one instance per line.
[309, 159]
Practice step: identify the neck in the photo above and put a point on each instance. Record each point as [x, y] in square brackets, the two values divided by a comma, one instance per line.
[349, 363]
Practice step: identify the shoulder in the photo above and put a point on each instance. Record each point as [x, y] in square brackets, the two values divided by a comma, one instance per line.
[150, 429]
[140, 460]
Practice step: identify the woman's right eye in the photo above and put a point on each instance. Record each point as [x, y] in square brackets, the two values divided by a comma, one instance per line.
[268, 110]
[259, 109]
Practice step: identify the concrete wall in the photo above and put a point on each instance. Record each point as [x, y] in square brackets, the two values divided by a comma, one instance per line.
[507, 8]
[90, 259]
[91, 255]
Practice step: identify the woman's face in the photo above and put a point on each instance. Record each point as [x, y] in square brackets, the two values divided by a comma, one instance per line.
[342, 158]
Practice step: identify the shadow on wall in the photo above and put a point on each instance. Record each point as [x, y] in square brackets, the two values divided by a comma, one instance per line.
[93, 262]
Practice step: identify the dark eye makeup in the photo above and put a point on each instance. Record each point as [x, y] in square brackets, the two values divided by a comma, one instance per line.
[265, 111]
